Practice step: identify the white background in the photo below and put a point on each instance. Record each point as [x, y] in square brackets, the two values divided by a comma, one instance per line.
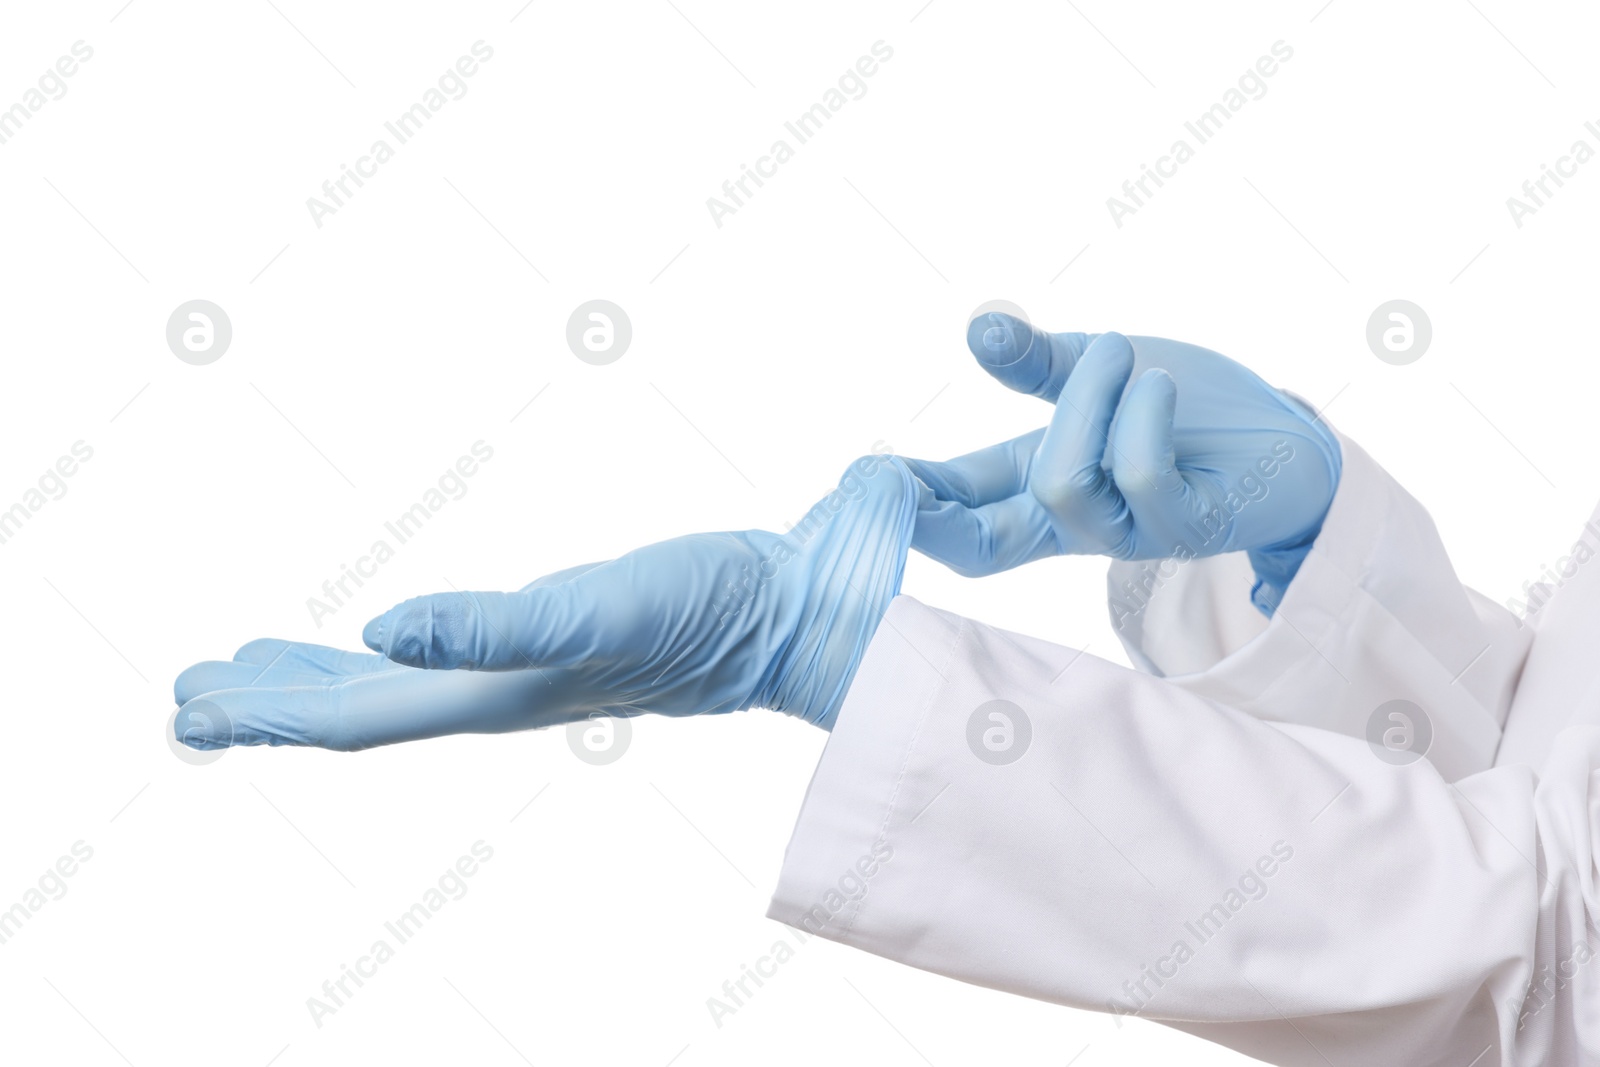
[825, 316]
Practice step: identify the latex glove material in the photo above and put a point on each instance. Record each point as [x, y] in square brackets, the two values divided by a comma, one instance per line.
[277, 692]
[1157, 449]
[694, 625]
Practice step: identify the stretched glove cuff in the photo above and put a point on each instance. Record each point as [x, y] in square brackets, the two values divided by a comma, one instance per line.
[849, 558]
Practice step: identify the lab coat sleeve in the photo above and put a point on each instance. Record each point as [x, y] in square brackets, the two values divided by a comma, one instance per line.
[1035, 819]
[1376, 614]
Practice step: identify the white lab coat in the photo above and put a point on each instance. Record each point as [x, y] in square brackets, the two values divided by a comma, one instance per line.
[1210, 841]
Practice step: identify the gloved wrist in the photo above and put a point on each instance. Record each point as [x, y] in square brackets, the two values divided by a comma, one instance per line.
[834, 574]
[1275, 570]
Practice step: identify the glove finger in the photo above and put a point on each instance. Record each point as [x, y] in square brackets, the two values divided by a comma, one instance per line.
[551, 626]
[220, 674]
[1144, 465]
[379, 709]
[413, 705]
[983, 540]
[312, 659]
[294, 715]
[982, 477]
[1069, 477]
[1023, 357]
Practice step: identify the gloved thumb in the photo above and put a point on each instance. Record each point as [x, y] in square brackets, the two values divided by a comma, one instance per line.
[1023, 357]
[538, 627]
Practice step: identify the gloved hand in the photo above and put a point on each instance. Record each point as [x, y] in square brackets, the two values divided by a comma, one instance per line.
[1157, 449]
[695, 625]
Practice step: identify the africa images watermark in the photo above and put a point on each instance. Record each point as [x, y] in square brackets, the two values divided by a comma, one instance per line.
[52, 885]
[851, 886]
[1537, 593]
[1251, 886]
[451, 485]
[1252, 85]
[52, 85]
[807, 125]
[405, 126]
[1537, 191]
[52, 485]
[1136, 595]
[1539, 992]
[451, 885]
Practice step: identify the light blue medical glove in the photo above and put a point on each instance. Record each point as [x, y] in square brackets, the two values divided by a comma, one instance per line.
[695, 625]
[1157, 449]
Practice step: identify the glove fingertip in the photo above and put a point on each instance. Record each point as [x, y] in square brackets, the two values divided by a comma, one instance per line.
[999, 339]
[1110, 350]
[372, 634]
[1159, 377]
[1154, 400]
[407, 633]
[202, 725]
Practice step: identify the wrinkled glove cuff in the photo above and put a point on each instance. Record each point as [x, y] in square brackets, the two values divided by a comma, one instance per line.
[850, 556]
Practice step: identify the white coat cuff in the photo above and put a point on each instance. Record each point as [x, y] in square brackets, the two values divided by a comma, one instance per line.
[1179, 618]
[840, 842]
[1375, 614]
